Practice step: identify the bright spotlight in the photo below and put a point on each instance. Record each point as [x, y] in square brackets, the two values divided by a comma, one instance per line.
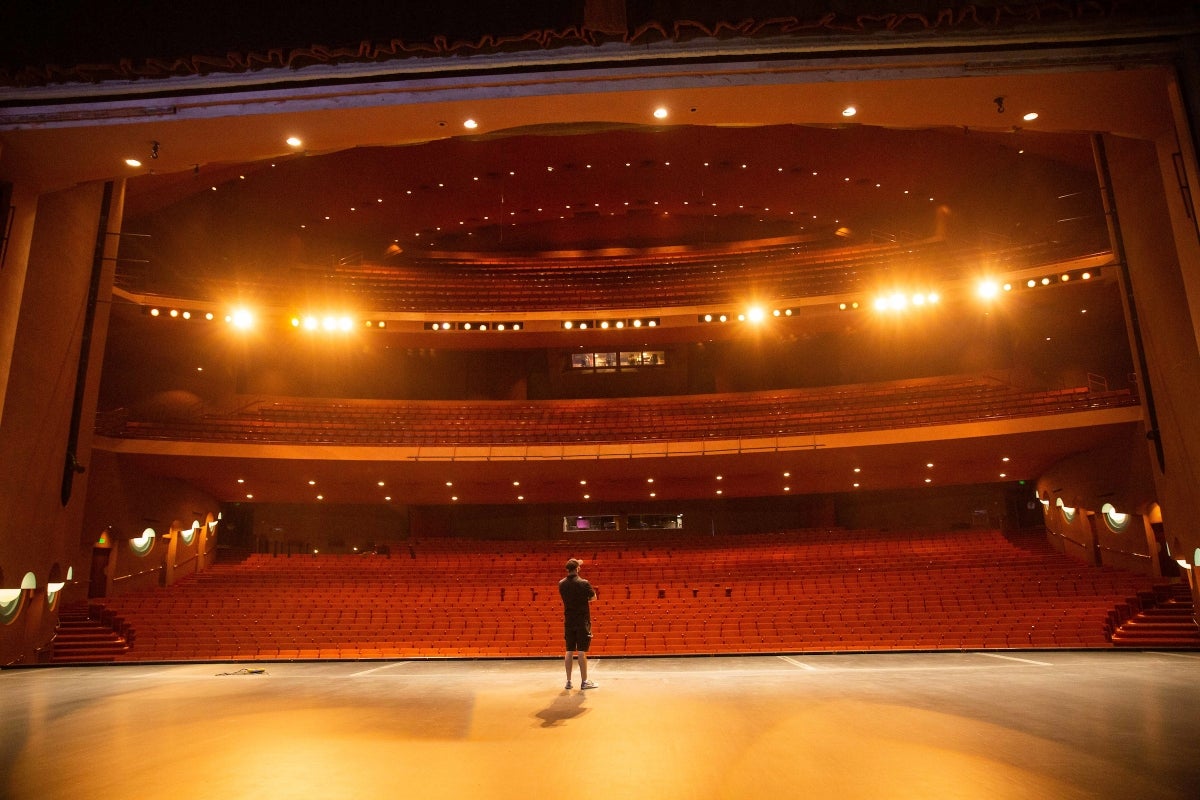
[987, 289]
[311, 323]
[755, 314]
[242, 319]
[345, 323]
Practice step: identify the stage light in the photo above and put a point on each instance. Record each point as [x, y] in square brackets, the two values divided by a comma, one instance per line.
[987, 289]
[132, 162]
[755, 314]
[242, 319]
[294, 141]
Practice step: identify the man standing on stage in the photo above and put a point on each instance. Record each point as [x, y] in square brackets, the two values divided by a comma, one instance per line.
[577, 620]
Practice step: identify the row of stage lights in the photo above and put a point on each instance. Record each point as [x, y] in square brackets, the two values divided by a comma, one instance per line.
[608, 324]
[986, 289]
[474, 326]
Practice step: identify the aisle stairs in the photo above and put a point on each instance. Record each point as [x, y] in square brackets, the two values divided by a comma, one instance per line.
[80, 638]
[1166, 620]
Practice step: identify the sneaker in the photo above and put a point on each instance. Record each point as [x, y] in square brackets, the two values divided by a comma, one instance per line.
[568, 686]
[587, 685]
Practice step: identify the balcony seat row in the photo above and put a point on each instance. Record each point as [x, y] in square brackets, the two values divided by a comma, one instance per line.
[940, 401]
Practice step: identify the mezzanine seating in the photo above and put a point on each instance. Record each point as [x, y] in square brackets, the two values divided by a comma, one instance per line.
[826, 410]
[504, 283]
[809, 590]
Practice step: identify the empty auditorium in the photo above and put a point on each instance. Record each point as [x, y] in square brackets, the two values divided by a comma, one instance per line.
[849, 351]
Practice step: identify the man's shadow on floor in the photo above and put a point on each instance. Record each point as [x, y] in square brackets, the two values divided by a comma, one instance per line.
[568, 705]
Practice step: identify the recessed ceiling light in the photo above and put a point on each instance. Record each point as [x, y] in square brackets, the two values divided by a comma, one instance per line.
[470, 124]
[133, 162]
[1030, 117]
[660, 113]
[294, 141]
[849, 111]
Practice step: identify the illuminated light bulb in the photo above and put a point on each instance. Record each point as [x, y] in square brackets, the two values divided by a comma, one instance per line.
[1065, 277]
[637, 323]
[620, 323]
[1045, 281]
[445, 326]
[470, 124]
[154, 312]
[604, 324]
[1008, 287]
[787, 312]
[500, 326]
[897, 301]
[583, 326]
[933, 297]
[133, 162]
[842, 306]
[243, 319]
[208, 316]
[516, 326]
[345, 323]
[1030, 117]
[776, 313]
[294, 141]
[1087, 276]
[707, 317]
[849, 111]
[756, 314]
[568, 324]
[1031, 283]
[881, 303]
[918, 299]
[174, 312]
[660, 113]
[723, 318]
[466, 326]
[741, 317]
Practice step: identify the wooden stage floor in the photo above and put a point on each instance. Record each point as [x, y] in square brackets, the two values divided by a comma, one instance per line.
[994, 725]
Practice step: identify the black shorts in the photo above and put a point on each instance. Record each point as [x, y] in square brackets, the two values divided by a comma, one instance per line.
[578, 636]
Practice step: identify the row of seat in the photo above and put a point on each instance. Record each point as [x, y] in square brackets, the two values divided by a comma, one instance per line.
[518, 283]
[419, 423]
[996, 591]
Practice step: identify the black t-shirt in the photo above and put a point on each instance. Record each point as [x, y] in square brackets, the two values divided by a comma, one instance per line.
[576, 592]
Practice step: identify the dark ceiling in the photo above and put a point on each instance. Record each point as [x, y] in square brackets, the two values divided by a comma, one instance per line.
[595, 187]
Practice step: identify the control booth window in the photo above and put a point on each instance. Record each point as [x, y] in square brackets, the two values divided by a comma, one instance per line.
[613, 362]
[658, 522]
[599, 522]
